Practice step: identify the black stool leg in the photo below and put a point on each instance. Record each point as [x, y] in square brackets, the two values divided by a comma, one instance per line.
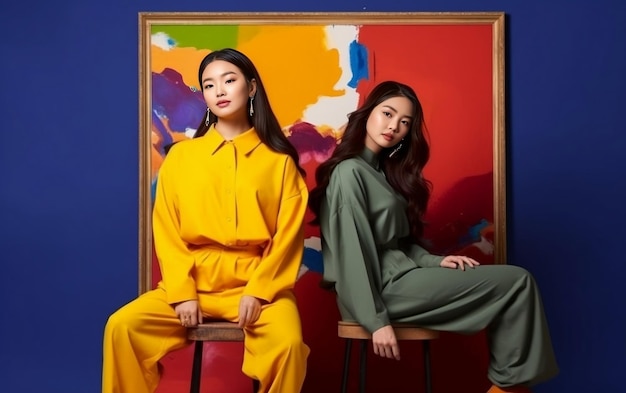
[346, 365]
[196, 369]
[427, 381]
[362, 366]
[255, 385]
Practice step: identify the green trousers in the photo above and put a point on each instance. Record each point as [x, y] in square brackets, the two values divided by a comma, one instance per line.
[503, 299]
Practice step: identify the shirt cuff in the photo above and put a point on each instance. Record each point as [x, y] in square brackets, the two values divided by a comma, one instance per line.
[182, 292]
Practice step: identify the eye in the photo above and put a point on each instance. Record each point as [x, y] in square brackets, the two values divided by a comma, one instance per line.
[230, 81]
[387, 114]
[208, 86]
[406, 122]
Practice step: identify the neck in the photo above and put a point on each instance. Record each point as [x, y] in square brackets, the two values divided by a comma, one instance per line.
[229, 129]
[376, 150]
[371, 145]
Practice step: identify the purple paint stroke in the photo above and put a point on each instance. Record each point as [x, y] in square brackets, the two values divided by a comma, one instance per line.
[310, 144]
[358, 63]
[174, 100]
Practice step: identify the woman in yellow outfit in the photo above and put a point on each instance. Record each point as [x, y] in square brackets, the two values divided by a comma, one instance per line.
[228, 232]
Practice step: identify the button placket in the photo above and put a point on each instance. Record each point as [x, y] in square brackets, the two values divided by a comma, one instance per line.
[229, 191]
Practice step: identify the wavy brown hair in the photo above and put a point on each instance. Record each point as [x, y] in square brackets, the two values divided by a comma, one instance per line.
[264, 120]
[402, 169]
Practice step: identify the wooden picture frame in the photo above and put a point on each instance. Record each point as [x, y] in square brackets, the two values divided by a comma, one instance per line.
[316, 67]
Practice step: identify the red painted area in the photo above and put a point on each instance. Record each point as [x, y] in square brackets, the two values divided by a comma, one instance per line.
[450, 69]
[221, 371]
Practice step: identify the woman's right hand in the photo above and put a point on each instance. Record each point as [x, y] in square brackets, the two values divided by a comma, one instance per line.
[385, 343]
[458, 262]
[189, 313]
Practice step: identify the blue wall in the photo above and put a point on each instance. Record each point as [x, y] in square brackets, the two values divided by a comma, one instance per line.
[68, 204]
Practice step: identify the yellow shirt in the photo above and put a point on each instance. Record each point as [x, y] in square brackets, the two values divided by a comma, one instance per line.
[228, 197]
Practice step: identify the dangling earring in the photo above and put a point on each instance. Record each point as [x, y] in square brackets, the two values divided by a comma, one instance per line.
[251, 107]
[208, 115]
[396, 149]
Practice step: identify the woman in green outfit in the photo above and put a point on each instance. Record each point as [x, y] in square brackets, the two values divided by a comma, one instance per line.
[371, 193]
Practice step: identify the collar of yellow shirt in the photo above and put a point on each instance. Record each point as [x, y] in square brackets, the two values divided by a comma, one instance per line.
[245, 142]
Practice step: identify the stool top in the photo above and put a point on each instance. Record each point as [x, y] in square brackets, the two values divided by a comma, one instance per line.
[403, 331]
[216, 331]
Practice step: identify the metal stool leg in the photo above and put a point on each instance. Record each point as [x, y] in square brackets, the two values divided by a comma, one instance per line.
[346, 366]
[196, 369]
[427, 381]
[362, 365]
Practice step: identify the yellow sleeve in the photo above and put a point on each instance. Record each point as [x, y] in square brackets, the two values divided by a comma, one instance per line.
[281, 260]
[175, 260]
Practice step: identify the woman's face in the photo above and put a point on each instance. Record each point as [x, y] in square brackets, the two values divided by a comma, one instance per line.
[226, 91]
[388, 123]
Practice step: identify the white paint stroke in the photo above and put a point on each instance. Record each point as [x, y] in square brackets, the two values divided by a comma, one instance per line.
[162, 40]
[333, 111]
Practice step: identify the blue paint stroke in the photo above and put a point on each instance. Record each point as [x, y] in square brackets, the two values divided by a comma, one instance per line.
[473, 233]
[312, 259]
[153, 189]
[358, 63]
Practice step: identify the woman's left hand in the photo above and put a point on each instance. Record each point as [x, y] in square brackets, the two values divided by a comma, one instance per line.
[249, 310]
[458, 262]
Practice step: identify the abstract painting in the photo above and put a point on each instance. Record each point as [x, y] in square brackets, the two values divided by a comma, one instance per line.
[317, 67]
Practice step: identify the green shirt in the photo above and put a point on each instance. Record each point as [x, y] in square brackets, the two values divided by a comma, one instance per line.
[363, 220]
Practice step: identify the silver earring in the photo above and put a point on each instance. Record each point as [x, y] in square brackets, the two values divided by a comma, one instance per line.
[396, 149]
[251, 107]
[208, 115]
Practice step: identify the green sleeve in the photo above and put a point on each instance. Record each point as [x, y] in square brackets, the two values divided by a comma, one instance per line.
[423, 258]
[349, 251]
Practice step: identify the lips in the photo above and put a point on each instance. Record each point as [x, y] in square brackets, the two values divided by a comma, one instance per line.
[388, 137]
[223, 103]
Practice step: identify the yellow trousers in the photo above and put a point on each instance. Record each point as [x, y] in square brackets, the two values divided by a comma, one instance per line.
[144, 330]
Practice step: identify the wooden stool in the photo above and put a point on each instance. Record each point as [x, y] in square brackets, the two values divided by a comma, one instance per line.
[212, 331]
[353, 331]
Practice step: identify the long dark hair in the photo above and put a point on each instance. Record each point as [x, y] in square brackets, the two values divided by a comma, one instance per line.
[402, 169]
[264, 120]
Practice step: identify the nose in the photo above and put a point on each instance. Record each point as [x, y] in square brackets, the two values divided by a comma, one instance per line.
[219, 91]
[393, 126]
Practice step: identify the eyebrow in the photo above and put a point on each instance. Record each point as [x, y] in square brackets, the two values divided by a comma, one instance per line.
[396, 111]
[223, 75]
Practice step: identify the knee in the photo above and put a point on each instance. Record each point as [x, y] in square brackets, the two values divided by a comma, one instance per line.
[519, 272]
[523, 277]
[119, 321]
[295, 348]
[290, 342]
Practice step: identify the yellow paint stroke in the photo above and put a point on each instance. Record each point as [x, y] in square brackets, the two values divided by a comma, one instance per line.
[295, 65]
[184, 60]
